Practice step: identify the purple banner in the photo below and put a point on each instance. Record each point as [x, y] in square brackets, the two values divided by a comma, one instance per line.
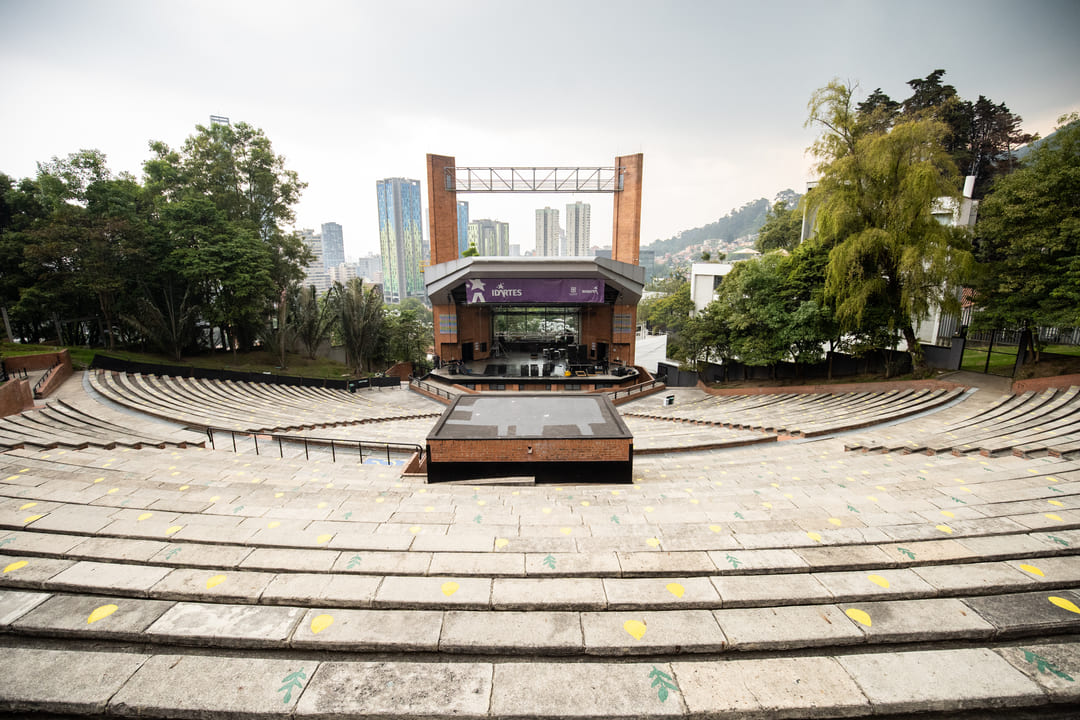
[533, 290]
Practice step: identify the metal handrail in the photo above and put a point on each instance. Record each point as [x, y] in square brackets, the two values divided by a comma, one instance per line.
[430, 388]
[639, 388]
[334, 443]
[45, 377]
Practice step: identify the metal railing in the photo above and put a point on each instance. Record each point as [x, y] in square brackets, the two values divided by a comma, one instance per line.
[43, 378]
[334, 444]
[428, 387]
[636, 389]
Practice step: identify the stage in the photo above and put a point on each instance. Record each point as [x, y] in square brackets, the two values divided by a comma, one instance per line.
[552, 367]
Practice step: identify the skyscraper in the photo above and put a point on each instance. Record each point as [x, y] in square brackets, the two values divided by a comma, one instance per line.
[577, 228]
[462, 226]
[491, 237]
[547, 232]
[333, 245]
[400, 238]
[315, 272]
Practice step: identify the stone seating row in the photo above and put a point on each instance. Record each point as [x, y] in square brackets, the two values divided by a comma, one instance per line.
[1029, 424]
[807, 415]
[206, 403]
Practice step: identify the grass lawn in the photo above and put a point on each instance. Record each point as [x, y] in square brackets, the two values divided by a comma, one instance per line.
[1001, 363]
[258, 361]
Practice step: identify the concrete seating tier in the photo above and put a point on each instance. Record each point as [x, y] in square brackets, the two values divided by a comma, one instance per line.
[784, 579]
[796, 415]
[1029, 425]
[57, 424]
[254, 406]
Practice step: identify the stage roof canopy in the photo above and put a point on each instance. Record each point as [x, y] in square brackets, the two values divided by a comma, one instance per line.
[625, 279]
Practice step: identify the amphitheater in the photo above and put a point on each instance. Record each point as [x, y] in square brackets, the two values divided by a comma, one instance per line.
[899, 553]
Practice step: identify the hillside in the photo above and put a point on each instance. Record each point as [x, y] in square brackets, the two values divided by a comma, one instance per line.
[740, 222]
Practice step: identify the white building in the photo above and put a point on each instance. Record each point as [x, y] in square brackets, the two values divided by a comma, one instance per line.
[315, 272]
[704, 279]
[577, 229]
[547, 232]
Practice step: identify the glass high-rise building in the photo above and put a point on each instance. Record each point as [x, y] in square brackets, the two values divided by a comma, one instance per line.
[577, 228]
[462, 226]
[547, 232]
[333, 245]
[401, 238]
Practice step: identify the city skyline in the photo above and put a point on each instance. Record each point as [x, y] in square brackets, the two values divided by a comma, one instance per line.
[714, 95]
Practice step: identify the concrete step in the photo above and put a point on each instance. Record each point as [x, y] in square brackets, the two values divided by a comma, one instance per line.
[1009, 678]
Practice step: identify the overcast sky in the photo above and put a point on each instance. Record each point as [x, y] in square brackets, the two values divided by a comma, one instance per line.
[713, 93]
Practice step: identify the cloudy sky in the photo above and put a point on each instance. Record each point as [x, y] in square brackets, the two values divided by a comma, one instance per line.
[713, 93]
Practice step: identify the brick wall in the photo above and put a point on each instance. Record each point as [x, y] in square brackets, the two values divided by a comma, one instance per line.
[1038, 384]
[15, 396]
[543, 450]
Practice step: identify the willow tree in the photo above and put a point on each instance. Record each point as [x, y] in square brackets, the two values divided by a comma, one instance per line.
[879, 184]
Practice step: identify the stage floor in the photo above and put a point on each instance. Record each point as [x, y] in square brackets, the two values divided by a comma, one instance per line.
[508, 365]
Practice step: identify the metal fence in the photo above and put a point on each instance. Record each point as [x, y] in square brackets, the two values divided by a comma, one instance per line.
[335, 445]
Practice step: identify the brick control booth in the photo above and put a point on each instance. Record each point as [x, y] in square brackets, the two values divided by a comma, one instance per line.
[551, 438]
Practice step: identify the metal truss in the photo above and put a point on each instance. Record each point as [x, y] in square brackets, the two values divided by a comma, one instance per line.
[535, 179]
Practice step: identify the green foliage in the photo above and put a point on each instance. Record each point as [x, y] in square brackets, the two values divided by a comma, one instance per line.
[874, 205]
[782, 228]
[361, 320]
[470, 251]
[1029, 240]
[312, 317]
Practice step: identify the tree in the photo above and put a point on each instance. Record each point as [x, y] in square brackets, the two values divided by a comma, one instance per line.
[470, 251]
[1029, 239]
[782, 228]
[312, 318]
[874, 204]
[361, 321]
[751, 306]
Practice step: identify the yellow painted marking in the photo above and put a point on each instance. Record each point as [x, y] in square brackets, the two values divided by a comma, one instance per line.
[277, 495]
[648, 508]
[676, 589]
[173, 529]
[715, 528]
[501, 542]
[215, 581]
[1064, 604]
[566, 530]
[616, 492]
[836, 521]
[948, 513]
[880, 487]
[429, 508]
[256, 481]
[859, 616]
[31, 518]
[379, 500]
[652, 542]
[182, 488]
[320, 623]
[321, 505]
[1052, 516]
[1052, 479]
[775, 485]
[144, 516]
[415, 529]
[695, 501]
[944, 528]
[273, 524]
[636, 628]
[585, 503]
[449, 588]
[17, 565]
[323, 539]
[215, 498]
[12, 477]
[328, 485]
[789, 496]
[546, 511]
[110, 491]
[1033, 570]
[718, 483]
[481, 503]
[878, 580]
[871, 498]
[814, 536]
[100, 613]
[174, 474]
[966, 489]
[767, 505]
[27, 506]
[516, 493]
[421, 491]
[959, 480]
[1058, 503]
